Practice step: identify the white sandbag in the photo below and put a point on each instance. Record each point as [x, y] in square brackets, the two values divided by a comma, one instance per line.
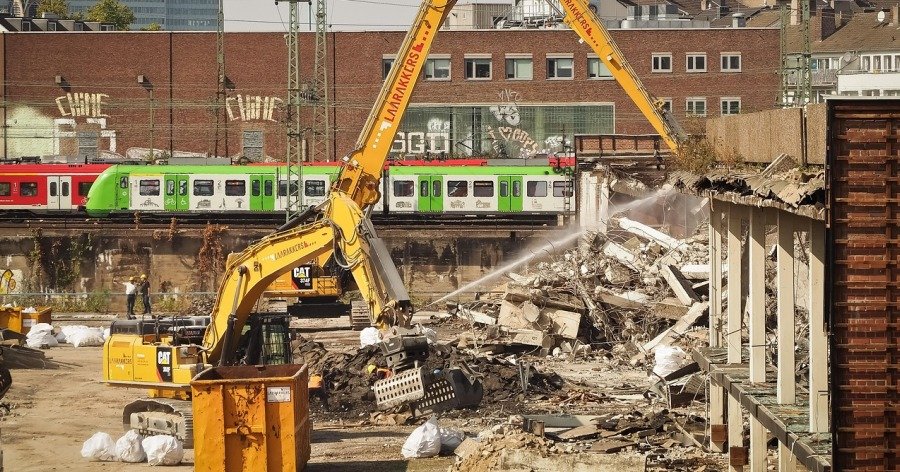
[106, 333]
[86, 337]
[369, 336]
[29, 310]
[424, 441]
[39, 330]
[99, 447]
[669, 359]
[40, 335]
[450, 439]
[163, 450]
[129, 448]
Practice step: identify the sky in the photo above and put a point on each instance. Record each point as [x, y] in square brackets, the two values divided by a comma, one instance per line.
[343, 15]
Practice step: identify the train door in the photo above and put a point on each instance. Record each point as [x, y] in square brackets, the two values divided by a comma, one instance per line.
[262, 193]
[123, 199]
[176, 192]
[510, 193]
[59, 192]
[431, 196]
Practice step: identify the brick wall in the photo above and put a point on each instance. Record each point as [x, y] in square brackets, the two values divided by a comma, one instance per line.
[44, 118]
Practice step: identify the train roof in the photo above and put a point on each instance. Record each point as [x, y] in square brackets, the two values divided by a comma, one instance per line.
[218, 169]
[67, 169]
[474, 170]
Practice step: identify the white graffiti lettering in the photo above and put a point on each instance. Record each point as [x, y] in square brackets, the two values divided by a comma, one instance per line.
[417, 142]
[251, 108]
[82, 104]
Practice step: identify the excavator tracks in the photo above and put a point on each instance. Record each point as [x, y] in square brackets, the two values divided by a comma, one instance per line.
[151, 416]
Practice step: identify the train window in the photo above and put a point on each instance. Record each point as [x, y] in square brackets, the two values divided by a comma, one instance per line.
[182, 188]
[170, 187]
[315, 188]
[457, 188]
[65, 189]
[52, 189]
[203, 188]
[84, 188]
[235, 188]
[517, 188]
[254, 188]
[283, 188]
[562, 189]
[123, 181]
[267, 188]
[424, 190]
[436, 188]
[404, 188]
[536, 188]
[483, 188]
[504, 188]
[5, 189]
[149, 187]
[28, 189]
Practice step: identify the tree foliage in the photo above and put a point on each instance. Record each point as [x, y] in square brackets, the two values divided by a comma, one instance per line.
[58, 7]
[111, 11]
[152, 27]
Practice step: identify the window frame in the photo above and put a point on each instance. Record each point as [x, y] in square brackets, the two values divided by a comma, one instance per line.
[661, 55]
[398, 185]
[553, 58]
[695, 55]
[387, 63]
[203, 183]
[86, 187]
[724, 100]
[566, 190]
[473, 60]
[231, 184]
[688, 107]
[457, 187]
[512, 58]
[668, 101]
[147, 183]
[539, 190]
[431, 60]
[8, 187]
[593, 57]
[483, 185]
[730, 70]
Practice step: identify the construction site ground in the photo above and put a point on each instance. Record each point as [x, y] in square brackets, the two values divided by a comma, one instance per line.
[53, 411]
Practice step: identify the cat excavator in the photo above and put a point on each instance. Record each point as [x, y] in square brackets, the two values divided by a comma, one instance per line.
[163, 355]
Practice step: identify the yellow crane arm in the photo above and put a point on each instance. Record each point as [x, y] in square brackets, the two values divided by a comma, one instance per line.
[346, 231]
[583, 21]
[362, 168]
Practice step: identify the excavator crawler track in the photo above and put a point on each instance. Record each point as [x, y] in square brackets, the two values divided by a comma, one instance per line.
[151, 416]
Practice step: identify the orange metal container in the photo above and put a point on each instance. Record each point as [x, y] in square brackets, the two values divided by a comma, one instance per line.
[251, 418]
[13, 319]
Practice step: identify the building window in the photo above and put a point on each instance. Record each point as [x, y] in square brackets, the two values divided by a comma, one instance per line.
[730, 106]
[478, 68]
[560, 67]
[203, 188]
[457, 188]
[662, 62]
[696, 62]
[314, 188]
[536, 188]
[666, 104]
[51, 26]
[695, 106]
[437, 69]
[386, 63]
[597, 69]
[148, 188]
[404, 188]
[235, 188]
[483, 188]
[26, 25]
[731, 62]
[519, 68]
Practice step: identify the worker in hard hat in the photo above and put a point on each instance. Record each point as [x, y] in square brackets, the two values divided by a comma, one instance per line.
[144, 288]
[130, 296]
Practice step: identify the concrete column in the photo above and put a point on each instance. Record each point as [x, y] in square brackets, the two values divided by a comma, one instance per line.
[736, 214]
[786, 381]
[716, 393]
[818, 343]
[603, 204]
[756, 303]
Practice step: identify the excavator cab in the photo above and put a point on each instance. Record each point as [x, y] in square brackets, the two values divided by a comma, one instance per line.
[265, 340]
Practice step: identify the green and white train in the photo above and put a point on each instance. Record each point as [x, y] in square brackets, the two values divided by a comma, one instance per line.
[258, 189]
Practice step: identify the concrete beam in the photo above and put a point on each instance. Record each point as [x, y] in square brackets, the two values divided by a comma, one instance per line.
[786, 381]
[756, 297]
[716, 392]
[733, 340]
[818, 343]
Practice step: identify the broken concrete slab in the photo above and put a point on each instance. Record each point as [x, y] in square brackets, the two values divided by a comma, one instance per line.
[670, 308]
[531, 337]
[579, 432]
[608, 446]
[466, 447]
[517, 294]
[623, 256]
[680, 286]
[512, 316]
[695, 271]
[680, 327]
[563, 323]
[531, 312]
[646, 232]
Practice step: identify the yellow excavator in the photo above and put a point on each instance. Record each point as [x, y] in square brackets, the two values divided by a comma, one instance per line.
[163, 355]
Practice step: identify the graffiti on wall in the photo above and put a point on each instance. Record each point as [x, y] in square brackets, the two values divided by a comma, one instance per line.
[10, 281]
[252, 108]
[82, 104]
[435, 140]
[507, 138]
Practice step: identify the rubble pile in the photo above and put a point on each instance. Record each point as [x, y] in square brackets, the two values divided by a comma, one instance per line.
[625, 287]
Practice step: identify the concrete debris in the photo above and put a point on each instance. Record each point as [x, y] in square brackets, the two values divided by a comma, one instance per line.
[679, 284]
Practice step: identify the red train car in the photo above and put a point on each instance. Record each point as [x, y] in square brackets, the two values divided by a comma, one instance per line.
[46, 188]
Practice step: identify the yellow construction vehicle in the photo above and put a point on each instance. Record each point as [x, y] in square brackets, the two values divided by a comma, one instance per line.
[163, 355]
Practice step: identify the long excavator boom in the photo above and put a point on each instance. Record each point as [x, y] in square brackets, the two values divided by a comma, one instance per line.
[584, 21]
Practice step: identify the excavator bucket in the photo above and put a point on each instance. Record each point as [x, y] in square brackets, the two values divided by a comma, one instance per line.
[428, 392]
